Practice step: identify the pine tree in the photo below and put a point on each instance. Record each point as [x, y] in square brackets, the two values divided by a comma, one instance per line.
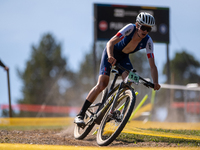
[185, 68]
[44, 75]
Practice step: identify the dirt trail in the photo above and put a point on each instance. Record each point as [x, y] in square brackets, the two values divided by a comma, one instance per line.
[65, 137]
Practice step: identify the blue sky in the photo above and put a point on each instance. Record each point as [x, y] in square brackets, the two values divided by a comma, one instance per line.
[22, 23]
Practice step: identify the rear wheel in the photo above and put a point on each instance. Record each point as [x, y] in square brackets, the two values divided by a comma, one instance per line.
[112, 125]
[81, 132]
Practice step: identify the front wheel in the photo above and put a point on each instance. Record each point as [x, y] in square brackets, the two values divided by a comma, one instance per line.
[112, 125]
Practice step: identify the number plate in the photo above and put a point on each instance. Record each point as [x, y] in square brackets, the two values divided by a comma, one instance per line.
[132, 77]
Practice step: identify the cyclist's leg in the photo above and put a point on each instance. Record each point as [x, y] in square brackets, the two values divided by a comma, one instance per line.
[98, 88]
[103, 79]
[94, 92]
[102, 83]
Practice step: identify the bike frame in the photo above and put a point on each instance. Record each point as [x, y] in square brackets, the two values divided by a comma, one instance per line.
[105, 103]
[107, 99]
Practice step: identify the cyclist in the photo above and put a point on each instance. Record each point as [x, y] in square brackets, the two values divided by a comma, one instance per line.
[130, 39]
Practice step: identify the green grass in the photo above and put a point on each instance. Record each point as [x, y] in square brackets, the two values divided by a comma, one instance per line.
[184, 132]
[135, 138]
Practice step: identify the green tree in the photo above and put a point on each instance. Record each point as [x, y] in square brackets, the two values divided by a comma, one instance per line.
[45, 77]
[184, 68]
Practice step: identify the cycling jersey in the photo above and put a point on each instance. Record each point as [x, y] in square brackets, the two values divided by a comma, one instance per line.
[125, 34]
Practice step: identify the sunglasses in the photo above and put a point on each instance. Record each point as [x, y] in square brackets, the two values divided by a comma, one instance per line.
[143, 28]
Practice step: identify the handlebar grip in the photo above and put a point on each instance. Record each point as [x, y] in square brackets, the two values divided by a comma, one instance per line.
[149, 84]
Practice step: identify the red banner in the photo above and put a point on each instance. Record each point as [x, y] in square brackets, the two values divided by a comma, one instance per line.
[191, 107]
[43, 108]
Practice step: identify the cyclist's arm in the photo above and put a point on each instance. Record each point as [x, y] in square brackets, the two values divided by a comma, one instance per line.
[154, 73]
[154, 70]
[110, 47]
[115, 39]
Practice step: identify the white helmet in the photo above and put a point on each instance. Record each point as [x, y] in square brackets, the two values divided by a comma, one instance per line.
[145, 19]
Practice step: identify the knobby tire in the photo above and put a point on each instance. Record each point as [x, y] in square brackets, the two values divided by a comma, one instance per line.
[105, 135]
[81, 133]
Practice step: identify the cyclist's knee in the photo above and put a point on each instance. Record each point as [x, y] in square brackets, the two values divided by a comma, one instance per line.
[102, 82]
[101, 86]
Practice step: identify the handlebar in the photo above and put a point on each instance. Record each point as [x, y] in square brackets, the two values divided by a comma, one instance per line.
[145, 82]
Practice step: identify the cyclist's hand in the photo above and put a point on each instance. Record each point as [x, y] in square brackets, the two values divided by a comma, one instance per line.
[156, 86]
[112, 60]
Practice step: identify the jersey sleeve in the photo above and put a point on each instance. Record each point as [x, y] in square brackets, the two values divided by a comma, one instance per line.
[125, 31]
[149, 48]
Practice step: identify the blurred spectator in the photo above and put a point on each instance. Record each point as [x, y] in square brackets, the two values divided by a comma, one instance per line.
[5, 67]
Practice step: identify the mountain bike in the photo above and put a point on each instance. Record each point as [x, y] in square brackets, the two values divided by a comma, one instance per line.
[114, 110]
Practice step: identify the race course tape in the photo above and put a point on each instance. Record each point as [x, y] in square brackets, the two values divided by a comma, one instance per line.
[57, 121]
[57, 147]
[65, 121]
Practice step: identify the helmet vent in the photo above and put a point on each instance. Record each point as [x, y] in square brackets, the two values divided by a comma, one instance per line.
[146, 18]
[143, 18]
[149, 21]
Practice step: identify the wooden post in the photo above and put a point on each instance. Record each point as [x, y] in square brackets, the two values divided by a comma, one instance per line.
[168, 65]
[94, 62]
[10, 108]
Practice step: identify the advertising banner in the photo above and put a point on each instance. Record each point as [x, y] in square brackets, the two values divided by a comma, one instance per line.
[109, 19]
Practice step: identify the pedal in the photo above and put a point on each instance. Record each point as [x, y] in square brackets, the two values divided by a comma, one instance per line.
[81, 125]
[90, 121]
[94, 105]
